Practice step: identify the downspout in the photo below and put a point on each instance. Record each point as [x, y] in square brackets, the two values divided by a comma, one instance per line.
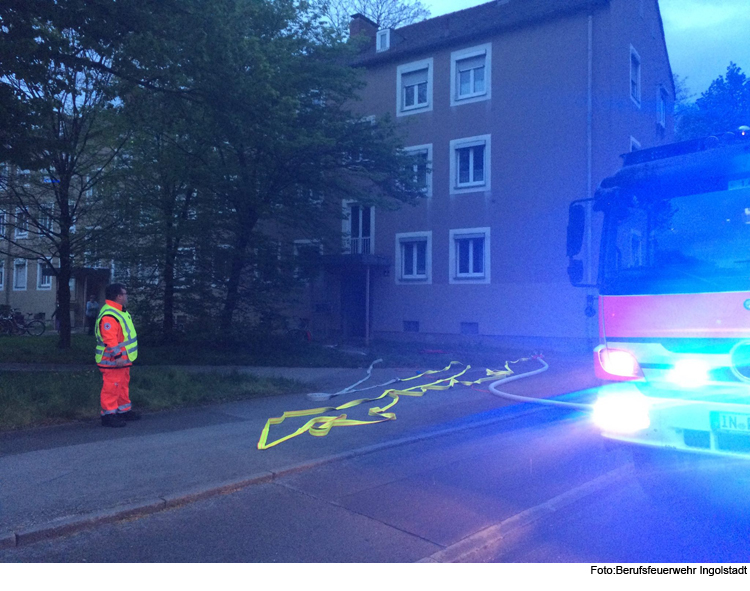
[589, 149]
[367, 308]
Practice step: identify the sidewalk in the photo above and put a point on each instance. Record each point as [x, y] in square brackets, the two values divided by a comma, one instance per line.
[60, 479]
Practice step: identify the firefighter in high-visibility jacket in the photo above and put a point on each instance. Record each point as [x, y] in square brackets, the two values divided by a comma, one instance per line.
[116, 349]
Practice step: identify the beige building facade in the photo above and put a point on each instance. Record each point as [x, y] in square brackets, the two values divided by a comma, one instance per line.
[518, 108]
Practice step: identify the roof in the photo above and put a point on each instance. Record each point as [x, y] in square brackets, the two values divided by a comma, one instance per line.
[471, 23]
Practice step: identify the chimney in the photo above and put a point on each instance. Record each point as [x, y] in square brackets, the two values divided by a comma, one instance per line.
[361, 25]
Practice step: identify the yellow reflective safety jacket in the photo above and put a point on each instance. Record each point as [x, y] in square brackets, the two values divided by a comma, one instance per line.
[106, 356]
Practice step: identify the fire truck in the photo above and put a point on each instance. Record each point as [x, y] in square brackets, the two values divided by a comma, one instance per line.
[673, 297]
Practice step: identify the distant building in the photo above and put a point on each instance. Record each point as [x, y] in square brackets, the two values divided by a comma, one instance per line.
[27, 282]
[518, 108]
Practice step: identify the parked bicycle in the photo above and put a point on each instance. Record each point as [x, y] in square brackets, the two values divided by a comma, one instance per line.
[15, 323]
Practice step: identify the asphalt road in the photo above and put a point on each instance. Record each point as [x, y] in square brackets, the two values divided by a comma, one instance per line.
[538, 488]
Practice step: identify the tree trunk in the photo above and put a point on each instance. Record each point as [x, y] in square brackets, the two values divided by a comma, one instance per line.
[63, 294]
[168, 309]
[239, 259]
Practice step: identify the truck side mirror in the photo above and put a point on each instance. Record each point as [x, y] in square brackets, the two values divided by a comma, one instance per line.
[576, 226]
[575, 271]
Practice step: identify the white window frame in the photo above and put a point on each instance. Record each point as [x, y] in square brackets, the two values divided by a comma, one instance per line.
[635, 145]
[424, 149]
[2, 275]
[661, 106]
[346, 226]
[383, 40]
[473, 97]
[636, 75]
[46, 286]
[18, 232]
[472, 186]
[410, 237]
[16, 264]
[406, 69]
[463, 278]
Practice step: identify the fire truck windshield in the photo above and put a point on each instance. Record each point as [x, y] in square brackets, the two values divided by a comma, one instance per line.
[692, 243]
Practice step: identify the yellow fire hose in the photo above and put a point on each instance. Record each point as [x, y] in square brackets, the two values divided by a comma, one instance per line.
[321, 425]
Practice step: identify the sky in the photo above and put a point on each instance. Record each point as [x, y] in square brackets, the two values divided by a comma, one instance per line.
[702, 36]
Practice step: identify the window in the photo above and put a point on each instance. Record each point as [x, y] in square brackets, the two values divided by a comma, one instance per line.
[43, 276]
[635, 76]
[661, 107]
[635, 145]
[470, 74]
[22, 224]
[423, 167]
[470, 255]
[2, 224]
[414, 257]
[19, 275]
[470, 158]
[2, 275]
[307, 255]
[358, 228]
[44, 221]
[87, 187]
[24, 177]
[186, 261]
[414, 87]
[383, 40]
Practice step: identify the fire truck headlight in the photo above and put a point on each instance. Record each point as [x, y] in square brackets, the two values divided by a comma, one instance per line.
[622, 412]
[616, 364]
[689, 373]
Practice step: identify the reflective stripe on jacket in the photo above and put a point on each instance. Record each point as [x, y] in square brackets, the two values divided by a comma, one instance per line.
[106, 356]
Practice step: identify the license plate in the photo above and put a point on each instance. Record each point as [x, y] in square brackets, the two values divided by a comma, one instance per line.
[730, 421]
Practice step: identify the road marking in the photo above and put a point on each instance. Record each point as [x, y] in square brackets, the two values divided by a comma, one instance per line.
[471, 548]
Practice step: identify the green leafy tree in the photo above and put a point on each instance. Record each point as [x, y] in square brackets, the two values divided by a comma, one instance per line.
[276, 106]
[156, 200]
[71, 135]
[723, 107]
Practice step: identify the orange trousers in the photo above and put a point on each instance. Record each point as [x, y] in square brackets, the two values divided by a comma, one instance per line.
[115, 390]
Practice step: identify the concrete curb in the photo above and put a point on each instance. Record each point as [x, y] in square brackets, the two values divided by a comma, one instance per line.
[64, 526]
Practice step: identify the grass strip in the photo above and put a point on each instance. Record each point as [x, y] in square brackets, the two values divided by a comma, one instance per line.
[43, 398]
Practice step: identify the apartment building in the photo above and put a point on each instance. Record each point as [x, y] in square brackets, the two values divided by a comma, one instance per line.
[517, 107]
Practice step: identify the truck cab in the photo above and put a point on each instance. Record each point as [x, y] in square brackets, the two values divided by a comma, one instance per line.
[674, 297]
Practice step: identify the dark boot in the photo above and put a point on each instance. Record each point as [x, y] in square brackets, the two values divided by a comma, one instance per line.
[112, 420]
[130, 415]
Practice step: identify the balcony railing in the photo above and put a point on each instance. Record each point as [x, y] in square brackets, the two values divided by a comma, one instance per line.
[360, 245]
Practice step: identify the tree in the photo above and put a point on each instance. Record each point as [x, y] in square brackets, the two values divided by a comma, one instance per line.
[70, 138]
[156, 200]
[274, 100]
[386, 14]
[723, 107]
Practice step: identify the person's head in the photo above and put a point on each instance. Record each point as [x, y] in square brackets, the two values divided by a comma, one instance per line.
[92, 297]
[116, 292]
